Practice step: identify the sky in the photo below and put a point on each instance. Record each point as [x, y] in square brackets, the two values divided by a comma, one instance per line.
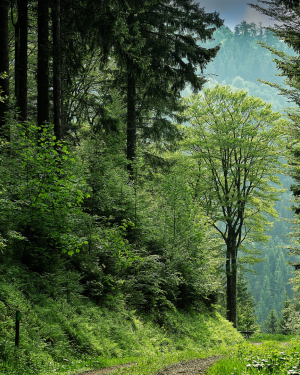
[235, 11]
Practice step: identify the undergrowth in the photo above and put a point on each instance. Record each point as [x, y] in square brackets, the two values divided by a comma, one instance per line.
[63, 332]
[269, 358]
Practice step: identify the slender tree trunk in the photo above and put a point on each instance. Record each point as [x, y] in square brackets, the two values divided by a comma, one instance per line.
[4, 65]
[57, 100]
[43, 63]
[234, 292]
[17, 59]
[23, 59]
[231, 273]
[131, 115]
[131, 122]
[228, 287]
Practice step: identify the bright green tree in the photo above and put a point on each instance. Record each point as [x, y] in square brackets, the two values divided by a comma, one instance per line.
[234, 143]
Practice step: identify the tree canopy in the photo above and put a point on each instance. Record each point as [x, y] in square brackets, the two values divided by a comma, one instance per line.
[234, 143]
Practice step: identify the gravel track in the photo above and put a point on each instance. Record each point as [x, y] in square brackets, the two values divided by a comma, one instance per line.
[193, 367]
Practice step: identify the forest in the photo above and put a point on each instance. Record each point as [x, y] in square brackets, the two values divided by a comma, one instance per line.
[149, 163]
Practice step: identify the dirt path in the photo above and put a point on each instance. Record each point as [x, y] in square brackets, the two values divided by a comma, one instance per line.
[194, 367]
[106, 370]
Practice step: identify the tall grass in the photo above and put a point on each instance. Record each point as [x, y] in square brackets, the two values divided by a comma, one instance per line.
[69, 333]
[269, 358]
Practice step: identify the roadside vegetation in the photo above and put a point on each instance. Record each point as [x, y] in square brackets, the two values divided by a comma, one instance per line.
[269, 358]
[69, 333]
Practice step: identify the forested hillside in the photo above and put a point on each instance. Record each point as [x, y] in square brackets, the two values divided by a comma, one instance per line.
[124, 200]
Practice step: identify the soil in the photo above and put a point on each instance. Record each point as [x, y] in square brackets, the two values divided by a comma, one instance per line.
[106, 370]
[194, 367]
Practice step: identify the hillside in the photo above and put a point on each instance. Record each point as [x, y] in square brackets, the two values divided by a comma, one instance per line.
[61, 331]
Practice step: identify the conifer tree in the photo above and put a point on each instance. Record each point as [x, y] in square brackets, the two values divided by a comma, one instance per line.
[246, 317]
[22, 58]
[168, 60]
[4, 66]
[43, 63]
[271, 324]
[285, 315]
[265, 300]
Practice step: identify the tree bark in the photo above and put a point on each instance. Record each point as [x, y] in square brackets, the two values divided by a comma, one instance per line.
[57, 96]
[131, 122]
[228, 286]
[43, 63]
[4, 66]
[131, 115]
[231, 274]
[234, 292]
[17, 58]
[23, 59]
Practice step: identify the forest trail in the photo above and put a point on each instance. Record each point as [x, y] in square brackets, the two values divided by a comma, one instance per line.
[106, 370]
[193, 367]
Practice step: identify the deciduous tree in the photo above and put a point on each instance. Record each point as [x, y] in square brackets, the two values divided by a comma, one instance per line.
[234, 142]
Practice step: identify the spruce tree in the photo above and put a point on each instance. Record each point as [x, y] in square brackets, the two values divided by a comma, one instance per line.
[4, 66]
[22, 58]
[271, 324]
[246, 317]
[43, 63]
[168, 60]
[285, 315]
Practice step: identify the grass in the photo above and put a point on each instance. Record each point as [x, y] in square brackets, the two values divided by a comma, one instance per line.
[64, 333]
[230, 366]
[67, 333]
[269, 358]
[263, 337]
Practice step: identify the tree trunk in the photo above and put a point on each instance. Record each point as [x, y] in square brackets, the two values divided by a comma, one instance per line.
[43, 63]
[23, 59]
[228, 287]
[131, 115]
[131, 124]
[17, 58]
[231, 291]
[57, 100]
[4, 66]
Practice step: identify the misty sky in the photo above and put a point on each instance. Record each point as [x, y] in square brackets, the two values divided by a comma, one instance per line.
[235, 11]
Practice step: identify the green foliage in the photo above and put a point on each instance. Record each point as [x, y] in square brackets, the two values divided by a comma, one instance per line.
[247, 320]
[233, 145]
[271, 323]
[279, 337]
[224, 366]
[285, 317]
[268, 358]
[61, 331]
[214, 127]
[40, 196]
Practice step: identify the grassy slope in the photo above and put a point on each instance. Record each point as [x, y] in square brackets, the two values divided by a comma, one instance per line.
[69, 333]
